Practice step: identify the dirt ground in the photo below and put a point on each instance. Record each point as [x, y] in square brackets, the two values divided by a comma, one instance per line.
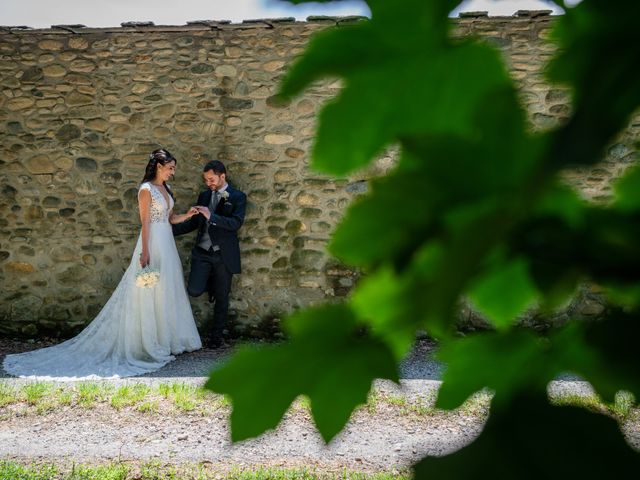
[387, 438]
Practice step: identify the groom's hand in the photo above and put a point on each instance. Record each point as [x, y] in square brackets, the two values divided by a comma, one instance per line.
[203, 211]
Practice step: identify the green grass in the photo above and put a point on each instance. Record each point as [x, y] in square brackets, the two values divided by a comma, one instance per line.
[266, 473]
[102, 472]
[477, 404]
[16, 471]
[420, 408]
[151, 406]
[372, 402]
[622, 406]
[302, 403]
[41, 398]
[156, 470]
[8, 395]
[129, 395]
[64, 397]
[399, 403]
[90, 393]
[406, 407]
[396, 400]
[34, 392]
[186, 397]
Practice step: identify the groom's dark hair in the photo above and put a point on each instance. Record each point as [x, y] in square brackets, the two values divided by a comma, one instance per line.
[217, 166]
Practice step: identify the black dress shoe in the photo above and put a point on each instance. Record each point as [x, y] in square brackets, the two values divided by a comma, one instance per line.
[215, 342]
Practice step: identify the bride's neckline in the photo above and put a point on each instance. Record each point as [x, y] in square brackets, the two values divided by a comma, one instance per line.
[166, 197]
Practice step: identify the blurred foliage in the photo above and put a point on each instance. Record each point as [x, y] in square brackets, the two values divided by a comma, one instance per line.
[474, 208]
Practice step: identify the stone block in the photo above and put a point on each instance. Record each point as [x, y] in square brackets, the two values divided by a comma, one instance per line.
[305, 199]
[79, 43]
[86, 164]
[273, 65]
[202, 69]
[19, 267]
[20, 103]
[82, 65]
[32, 75]
[68, 132]
[164, 111]
[53, 45]
[230, 103]
[40, 164]
[261, 154]
[75, 99]
[278, 139]
[74, 275]
[306, 259]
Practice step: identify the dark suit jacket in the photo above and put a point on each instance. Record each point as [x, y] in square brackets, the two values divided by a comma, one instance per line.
[223, 225]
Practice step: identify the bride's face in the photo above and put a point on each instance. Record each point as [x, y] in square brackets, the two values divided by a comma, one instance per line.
[165, 172]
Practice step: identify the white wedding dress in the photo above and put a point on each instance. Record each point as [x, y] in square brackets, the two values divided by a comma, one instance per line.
[137, 331]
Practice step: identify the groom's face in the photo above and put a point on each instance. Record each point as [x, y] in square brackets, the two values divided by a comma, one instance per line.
[213, 180]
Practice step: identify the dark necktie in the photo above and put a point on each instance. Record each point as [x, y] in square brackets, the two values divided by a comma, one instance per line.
[215, 198]
[206, 241]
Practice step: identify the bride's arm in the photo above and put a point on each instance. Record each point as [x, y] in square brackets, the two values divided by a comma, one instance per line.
[144, 205]
[175, 218]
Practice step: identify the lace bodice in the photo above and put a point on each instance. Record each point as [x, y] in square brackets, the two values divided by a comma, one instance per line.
[159, 212]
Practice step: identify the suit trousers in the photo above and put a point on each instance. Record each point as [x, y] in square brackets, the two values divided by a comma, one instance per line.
[210, 274]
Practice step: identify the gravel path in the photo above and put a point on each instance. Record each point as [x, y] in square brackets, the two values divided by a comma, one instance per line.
[387, 440]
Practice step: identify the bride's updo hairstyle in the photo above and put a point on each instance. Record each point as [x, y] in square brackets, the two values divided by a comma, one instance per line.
[162, 157]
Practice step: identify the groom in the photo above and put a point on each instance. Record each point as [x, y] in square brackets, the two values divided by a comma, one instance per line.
[216, 254]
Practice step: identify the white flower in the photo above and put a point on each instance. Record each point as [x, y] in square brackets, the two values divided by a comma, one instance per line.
[224, 195]
[147, 277]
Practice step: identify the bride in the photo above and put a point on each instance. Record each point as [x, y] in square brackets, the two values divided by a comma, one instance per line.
[140, 328]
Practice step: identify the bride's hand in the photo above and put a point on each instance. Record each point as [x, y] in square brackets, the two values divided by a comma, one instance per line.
[192, 211]
[145, 258]
[204, 211]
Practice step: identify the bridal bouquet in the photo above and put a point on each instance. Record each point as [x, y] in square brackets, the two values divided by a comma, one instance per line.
[147, 277]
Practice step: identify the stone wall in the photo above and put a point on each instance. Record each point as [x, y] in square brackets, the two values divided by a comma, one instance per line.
[81, 109]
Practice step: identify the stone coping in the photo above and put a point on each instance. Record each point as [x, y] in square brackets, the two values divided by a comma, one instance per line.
[268, 23]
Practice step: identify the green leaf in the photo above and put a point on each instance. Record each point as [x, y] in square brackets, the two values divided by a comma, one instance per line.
[327, 56]
[327, 359]
[562, 201]
[471, 182]
[377, 60]
[604, 247]
[384, 301]
[348, 140]
[380, 225]
[531, 439]
[457, 183]
[506, 363]
[384, 38]
[592, 61]
[250, 379]
[627, 190]
[603, 353]
[624, 295]
[504, 292]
